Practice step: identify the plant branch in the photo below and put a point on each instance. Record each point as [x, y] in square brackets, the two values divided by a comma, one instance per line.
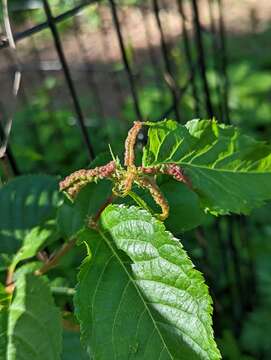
[9, 281]
[69, 325]
[96, 218]
[51, 263]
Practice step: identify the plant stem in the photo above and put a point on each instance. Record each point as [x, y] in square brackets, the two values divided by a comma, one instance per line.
[55, 259]
[106, 203]
[69, 325]
[9, 281]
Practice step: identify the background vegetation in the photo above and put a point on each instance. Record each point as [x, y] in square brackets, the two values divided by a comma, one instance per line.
[234, 253]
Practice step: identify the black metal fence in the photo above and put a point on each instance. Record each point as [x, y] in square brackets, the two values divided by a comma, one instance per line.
[189, 76]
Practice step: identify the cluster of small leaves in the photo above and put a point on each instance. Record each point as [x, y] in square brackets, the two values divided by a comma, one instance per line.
[138, 295]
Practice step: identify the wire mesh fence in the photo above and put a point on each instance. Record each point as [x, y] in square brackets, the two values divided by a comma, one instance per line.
[103, 63]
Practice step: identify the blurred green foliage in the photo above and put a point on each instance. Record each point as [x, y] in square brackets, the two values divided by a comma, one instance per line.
[45, 138]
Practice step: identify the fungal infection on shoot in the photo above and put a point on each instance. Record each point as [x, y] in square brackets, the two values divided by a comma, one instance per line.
[124, 177]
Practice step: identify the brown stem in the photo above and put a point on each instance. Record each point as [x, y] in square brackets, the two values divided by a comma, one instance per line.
[69, 325]
[9, 281]
[93, 221]
[51, 263]
[9, 276]
[42, 256]
[6, 168]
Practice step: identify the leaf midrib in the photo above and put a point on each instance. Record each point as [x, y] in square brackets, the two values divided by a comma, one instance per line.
[137, 289]
[219, 170]
[199, 166]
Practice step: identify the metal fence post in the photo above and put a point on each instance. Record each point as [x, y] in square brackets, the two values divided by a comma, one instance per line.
[201, 59]
[169, 73]
[66, 71]
[125, 60]
[189, 58]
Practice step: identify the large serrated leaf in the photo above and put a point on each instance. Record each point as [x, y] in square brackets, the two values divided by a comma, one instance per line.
[231, 172]
[152, 305]
[34, 323]
[25, 202]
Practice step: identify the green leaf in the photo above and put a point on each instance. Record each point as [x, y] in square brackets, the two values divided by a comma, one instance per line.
[5, 261]
[4, 297]
[33, 242]
[3, 332]
[25, 202]
[74, 216]
[230, 172]
[254, 337]
[230, 348]
[4, 302]
[72, 349]
[34, 322]
[69, 220]
[185, 211]
[152, 305]
[28, 268]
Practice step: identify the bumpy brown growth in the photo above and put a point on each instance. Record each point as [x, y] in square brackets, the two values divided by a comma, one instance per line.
[176, 172]
[152, 170]
[130, 141]
[73, 183]
[124, 178]
[158, 196]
